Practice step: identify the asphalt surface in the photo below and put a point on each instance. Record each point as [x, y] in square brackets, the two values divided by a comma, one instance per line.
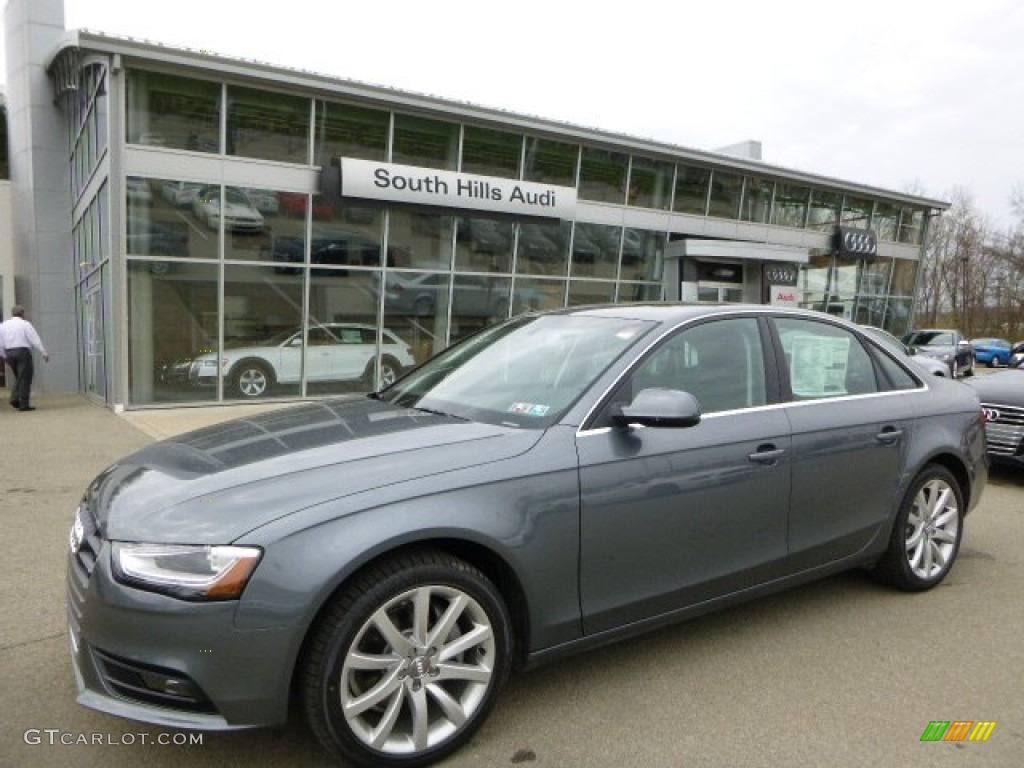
[840, 673]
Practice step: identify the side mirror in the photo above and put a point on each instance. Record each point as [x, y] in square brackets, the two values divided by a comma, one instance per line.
[659, 408]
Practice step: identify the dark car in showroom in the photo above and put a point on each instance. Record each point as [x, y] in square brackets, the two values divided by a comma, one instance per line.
[381, 563]
[949, 346]
[1002, 402]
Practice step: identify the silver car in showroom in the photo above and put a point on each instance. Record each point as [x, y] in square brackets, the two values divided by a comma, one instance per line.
[381, 563]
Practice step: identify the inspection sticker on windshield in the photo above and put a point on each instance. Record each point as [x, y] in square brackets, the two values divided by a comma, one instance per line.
[529, 409]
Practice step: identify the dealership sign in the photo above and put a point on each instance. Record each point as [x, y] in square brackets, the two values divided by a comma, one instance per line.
[448, 189]
[855, 243]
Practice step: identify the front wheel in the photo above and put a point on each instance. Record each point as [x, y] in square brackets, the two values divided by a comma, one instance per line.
[406, 663]
[251, 380]
[926, 536]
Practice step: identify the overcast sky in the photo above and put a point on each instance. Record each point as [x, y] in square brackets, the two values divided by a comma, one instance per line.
[909, 95]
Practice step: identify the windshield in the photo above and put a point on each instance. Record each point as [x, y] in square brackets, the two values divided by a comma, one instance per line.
[931, 339]
[523, 373]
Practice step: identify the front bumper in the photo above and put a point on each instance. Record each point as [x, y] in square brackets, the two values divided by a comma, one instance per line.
[1004, 432]
[153, 658]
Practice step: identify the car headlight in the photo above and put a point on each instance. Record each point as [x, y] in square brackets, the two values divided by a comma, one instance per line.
[186, 572]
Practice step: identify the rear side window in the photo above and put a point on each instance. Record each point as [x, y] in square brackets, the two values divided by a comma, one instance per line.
[824, 360]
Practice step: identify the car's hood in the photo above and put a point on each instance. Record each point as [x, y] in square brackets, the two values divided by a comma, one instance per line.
[1004, 387]
[212, 485]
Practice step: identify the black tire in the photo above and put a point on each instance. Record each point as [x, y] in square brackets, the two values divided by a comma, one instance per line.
[926, 534]
[251, 379]
[379, 676]
[390, 370]
[423, 307]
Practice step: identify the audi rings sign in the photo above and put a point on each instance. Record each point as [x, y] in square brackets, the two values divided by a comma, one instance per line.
[855, 243]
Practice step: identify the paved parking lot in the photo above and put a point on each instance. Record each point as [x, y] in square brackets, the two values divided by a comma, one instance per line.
[839, 673]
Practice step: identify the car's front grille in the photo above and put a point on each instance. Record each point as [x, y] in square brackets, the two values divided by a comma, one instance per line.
[1004, 429]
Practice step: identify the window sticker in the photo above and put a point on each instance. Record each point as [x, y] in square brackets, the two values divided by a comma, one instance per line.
[530, 409]
[818, 365]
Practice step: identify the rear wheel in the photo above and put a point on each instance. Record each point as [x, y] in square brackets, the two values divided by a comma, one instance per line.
[406, 663]
[926, 536]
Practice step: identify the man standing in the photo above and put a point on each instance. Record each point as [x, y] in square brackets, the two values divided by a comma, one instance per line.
[17, 339]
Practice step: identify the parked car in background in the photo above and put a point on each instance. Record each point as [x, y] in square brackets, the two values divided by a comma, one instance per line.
[992, 352]
[1017, 355]
[381, 563]
[237, 209]
[334, 352]
[180, 192]
[949, 346]
[890, 342]
[332, 247]
[1002, 402]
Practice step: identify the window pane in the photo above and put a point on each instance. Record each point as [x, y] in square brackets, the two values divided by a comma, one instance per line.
[491, 153]
[172, 338]
[790, 206]
[253, 220]
[159, 224]
[550, 162]
[478, 301]
[595, 251]
[726, 190]
[422, 142]
[824, 360]
[886, 221]
[643, 254]
[603, 176]
[692, 190]
[169, 111]
[757, 200]
[416, 310]
[639, 292]
[343, 236]
[421, 240]
[857, 212]
[543, 248]
[824, 212]
[537, 294]
[484, 245]
[590, 292]
[263, 343]
[911, 226]
[650, 184]
[904, 275]
[267, 125]
[345, 131]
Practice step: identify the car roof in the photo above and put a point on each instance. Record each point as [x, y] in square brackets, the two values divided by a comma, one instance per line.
[675, 312]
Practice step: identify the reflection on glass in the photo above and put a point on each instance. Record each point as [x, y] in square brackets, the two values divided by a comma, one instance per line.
[346, 131]
[416, 309]
[603, 175]
[790, 207]
[483, 245]
[262, 312]
[639, 292]
[824, 212]
[537, 294]
[595, 251]
[590, 292]
[252, 222]
[692, 190]
[886, 221]
[911, 226]
[726, 191]
[267, 125]
[550, 162]
[170, 111]
[418, 239]
[543, 248]
[423, 142]
[857, 212]
[643, 254]
[491, 153]
[478, 301]
[174, 321]
[904, 277]
[650, 184]
[897, 316]
[341, 354]
[757, 200]
[156, 225]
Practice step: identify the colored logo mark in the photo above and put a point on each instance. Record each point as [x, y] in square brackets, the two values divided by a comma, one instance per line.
[958, 730]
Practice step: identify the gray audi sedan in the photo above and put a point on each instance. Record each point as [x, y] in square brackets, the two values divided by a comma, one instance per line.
[383, 562]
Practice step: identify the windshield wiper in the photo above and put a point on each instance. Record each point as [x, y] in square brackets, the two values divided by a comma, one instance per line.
[435, 412]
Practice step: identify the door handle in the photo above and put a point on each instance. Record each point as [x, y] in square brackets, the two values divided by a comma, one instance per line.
[767, 454]
[889, 436]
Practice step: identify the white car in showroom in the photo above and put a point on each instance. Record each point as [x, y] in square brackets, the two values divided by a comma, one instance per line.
[334, 352]
[240, 215]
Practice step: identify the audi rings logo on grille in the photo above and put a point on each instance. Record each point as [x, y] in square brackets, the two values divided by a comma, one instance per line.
[991, 414]
[858, 243]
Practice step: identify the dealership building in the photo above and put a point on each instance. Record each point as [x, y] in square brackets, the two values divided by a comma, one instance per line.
[189, 228]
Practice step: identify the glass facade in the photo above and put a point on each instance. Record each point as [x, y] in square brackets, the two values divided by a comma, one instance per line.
[242, 291]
